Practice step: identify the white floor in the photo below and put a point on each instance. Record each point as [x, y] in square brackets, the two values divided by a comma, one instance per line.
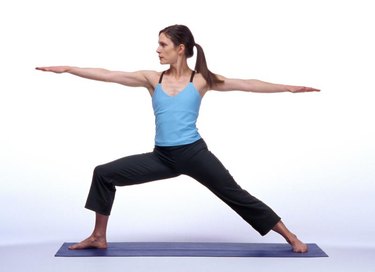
[40, 258]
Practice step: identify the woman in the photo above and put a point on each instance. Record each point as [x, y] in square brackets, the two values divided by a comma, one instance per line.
[176, 95]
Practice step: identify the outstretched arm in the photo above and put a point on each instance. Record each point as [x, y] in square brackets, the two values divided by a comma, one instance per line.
[258, 86]
[132, 79]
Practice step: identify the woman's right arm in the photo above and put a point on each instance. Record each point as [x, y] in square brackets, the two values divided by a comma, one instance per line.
[132, 79]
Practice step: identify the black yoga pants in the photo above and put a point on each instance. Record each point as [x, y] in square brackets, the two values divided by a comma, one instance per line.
[194, 160]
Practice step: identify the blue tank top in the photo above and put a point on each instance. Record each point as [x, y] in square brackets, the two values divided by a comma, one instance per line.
[176, 116]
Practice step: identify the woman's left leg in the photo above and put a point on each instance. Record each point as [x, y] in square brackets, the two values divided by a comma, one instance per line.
[203, 166]
[209, 171]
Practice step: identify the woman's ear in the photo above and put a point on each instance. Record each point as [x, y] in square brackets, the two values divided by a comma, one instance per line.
[181, 49]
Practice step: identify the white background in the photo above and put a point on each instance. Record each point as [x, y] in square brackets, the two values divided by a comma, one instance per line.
[309, 156]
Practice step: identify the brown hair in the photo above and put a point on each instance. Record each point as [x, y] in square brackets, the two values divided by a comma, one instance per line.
[180, 34]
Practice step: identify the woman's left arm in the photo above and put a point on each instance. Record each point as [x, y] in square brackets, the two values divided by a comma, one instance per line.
[258, 86]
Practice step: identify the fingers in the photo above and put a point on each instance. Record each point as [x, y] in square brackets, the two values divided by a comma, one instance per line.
[309, 89]
[45, 69]
[306, 89]
[55, 69]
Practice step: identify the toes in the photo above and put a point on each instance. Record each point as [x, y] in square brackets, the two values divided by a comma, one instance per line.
[300, 249]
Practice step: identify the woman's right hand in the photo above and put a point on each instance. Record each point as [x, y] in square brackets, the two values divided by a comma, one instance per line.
[54, 69]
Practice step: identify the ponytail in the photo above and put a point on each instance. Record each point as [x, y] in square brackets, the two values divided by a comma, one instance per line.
[201, 67]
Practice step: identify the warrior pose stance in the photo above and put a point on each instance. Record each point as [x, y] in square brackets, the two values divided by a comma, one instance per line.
[179, 149]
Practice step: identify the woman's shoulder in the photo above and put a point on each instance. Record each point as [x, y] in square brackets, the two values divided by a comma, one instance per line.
[200, 83]
[152, 76]
[150, 73]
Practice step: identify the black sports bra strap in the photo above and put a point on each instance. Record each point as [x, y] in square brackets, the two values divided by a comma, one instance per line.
[192, 76]
[161, 76]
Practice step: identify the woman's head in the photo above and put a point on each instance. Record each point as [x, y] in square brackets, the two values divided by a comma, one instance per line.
[181, 35]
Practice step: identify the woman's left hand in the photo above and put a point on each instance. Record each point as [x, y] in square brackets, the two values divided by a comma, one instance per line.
[301, 89]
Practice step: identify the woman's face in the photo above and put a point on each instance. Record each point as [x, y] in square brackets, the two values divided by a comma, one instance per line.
[167, 51]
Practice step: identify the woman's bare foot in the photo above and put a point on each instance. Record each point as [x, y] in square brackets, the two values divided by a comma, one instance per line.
[297, 245]
[290, 237]
[91, 242]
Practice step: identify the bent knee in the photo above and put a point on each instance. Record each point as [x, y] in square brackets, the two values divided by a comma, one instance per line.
[103, 171]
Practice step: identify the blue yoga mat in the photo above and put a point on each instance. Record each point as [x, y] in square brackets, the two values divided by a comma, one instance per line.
[173, 249]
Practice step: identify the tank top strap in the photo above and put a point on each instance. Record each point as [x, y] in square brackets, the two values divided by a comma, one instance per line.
[161, 77]
[192, 76]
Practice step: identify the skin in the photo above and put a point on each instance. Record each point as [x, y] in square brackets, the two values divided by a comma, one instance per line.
[174, 80]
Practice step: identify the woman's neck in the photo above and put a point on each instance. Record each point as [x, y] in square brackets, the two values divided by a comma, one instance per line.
[179, 70]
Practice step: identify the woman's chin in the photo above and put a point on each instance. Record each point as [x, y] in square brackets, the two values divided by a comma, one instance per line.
[163, 61]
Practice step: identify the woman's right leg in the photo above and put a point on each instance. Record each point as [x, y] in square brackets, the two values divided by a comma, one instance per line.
[130, 170]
